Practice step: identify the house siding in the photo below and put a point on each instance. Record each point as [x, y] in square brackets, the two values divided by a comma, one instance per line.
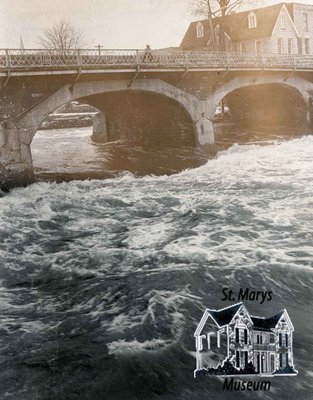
[241, 322]
[298, 12]
[284, 329]
[250, 46]
[286, 34]
[296, 36]
[270, 44]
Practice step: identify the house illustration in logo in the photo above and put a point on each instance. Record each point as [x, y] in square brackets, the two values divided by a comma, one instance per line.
[230, 341]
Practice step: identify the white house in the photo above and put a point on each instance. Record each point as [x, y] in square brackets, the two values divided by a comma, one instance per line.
[232, 333]
[285, 28]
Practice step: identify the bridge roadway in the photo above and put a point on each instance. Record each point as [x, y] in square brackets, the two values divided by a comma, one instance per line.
[40, 61]
[163, 86]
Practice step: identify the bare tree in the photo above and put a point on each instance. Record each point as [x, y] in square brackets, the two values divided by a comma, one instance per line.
[219, 8]
[62, 36]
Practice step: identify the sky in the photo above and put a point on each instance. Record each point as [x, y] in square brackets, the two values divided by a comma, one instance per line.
[119, 24]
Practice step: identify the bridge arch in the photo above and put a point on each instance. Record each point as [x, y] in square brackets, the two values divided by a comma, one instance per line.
[266, 100]
[17, 134]
[302, 86]
[29, 123]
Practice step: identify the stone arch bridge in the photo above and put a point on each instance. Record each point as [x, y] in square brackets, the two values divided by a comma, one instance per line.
[33, 83]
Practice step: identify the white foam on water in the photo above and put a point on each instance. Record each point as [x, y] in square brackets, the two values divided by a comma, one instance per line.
[123, 347]
[251, 207]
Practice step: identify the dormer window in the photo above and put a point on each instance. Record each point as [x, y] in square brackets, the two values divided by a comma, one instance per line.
[200, 30]
[252, 23]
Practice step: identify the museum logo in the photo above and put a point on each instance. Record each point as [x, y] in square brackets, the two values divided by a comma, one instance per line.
[244, 345]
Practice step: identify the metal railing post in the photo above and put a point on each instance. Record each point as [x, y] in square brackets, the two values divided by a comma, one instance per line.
[8, 58]
[262, 59]
[186, 59]
[137, 58]
[79, 58]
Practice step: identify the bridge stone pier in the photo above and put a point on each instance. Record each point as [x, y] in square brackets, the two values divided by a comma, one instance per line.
[127, 95]
[22, 114]
[100, 129]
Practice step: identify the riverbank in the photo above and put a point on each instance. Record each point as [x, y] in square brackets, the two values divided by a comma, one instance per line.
[68, 120]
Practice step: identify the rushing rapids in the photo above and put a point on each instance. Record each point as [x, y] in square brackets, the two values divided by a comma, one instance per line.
[104, 281]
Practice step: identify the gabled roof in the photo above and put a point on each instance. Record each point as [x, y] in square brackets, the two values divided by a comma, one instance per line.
[236, 26]
[225, 315]
[267, 324]
[220, 317]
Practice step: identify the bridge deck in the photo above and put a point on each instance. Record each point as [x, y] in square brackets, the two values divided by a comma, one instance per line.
[13, 61]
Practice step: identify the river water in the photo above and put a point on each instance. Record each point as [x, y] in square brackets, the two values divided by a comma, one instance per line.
[103, 281]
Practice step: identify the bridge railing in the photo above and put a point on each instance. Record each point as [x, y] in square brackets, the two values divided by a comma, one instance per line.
[11, 59]
[67, 58]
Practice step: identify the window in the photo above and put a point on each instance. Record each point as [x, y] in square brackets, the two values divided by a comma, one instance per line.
[283, 339]
[237, 335]
[280, 360]
[290, 46]
[246, 358]
[252, 21]
[258, 358]
[259, 339]
[272, 363]
[287, 362]
[300, 49]
[283, 20]
[307, 46]
[306, 21]
[280, 45]
[243, 48]
[200, 30]
[237, 358]
[246, 336]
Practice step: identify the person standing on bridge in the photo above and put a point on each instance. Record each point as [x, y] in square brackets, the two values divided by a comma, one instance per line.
[147, 56]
